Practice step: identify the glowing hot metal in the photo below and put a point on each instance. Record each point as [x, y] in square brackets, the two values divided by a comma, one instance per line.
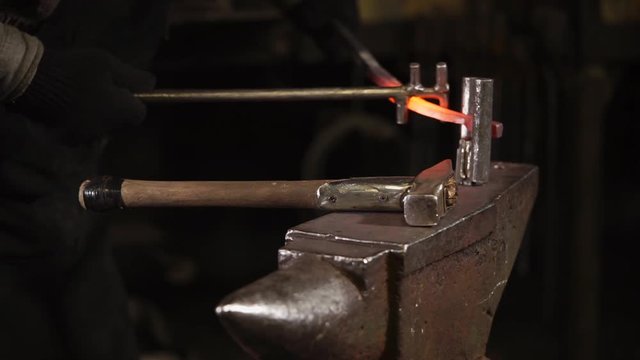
[434, 111]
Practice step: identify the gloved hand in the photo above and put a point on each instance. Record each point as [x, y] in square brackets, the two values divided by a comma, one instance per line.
[39, 212]
[85, 93]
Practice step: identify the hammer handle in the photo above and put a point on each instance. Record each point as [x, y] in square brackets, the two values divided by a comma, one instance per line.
[107, 193]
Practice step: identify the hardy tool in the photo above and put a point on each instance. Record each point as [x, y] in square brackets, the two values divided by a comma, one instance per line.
[423, 199]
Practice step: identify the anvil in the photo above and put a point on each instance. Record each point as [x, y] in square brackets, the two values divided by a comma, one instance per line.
[366, 286]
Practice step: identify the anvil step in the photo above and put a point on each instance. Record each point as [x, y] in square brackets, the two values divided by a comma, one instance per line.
[367, 286]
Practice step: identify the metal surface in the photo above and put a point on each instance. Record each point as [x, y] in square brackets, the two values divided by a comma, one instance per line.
[422, 293]
[322, 290]
[366, 194]
[433, 193]
[442, 80]
[306, 94]
[474, 150]
[424, 199]
[399, 94]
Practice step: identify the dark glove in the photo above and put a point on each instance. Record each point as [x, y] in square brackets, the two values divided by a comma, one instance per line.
[39, 177]
[86, 93]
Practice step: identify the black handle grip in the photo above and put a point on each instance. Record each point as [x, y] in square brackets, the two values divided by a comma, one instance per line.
[101, 193]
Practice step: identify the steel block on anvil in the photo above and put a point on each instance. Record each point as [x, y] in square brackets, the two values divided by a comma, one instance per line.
[367, 286]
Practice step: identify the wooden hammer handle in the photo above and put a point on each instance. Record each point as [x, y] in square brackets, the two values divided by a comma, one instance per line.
[107, 193]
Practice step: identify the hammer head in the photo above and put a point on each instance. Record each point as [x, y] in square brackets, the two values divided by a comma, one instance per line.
[433, 192]
[424, 199]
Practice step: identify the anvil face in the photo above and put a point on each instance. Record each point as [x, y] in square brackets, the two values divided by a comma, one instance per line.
[392, 291]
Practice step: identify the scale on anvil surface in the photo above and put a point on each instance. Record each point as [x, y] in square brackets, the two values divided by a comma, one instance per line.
[362, 283]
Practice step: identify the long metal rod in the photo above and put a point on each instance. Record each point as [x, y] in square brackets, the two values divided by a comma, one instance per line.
[306, 94]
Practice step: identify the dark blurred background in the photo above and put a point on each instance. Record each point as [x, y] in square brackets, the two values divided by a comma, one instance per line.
[566, 76]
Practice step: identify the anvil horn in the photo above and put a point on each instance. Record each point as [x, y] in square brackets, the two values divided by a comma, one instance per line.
[304, 311]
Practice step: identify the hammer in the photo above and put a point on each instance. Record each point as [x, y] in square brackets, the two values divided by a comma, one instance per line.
[424, 199]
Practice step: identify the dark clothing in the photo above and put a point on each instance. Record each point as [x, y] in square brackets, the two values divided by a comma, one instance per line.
[80, 313]
[131, 30]
[34, 10]
[61, 296]
[39, 214]
[26, 14]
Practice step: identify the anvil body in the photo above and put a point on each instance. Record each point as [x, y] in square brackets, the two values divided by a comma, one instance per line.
[367, 286]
